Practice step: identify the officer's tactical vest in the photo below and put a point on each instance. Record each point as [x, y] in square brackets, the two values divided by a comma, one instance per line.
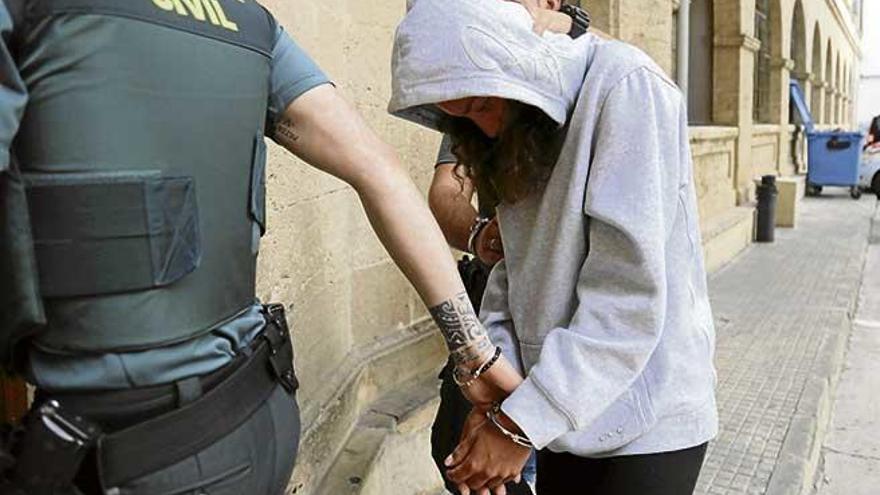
[143, 156]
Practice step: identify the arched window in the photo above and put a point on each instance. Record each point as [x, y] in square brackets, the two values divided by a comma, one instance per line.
[816, 73]
[763, 63]
[798, 52]
[844, 88]
[700, 68]
[838, 87]
[829, 85]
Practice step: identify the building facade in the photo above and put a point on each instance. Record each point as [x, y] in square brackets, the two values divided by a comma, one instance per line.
[367, 355]
[869, 87]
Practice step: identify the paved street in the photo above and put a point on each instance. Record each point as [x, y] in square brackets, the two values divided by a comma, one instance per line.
[851, 451]
[784, 314]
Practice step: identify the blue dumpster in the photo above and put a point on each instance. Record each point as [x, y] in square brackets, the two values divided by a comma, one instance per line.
[832, 156]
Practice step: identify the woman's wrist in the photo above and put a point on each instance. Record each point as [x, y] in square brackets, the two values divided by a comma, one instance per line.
[504, 376]
[469, 358]
[508, 423]
[493, 369]
[466, 378]
[507, 427]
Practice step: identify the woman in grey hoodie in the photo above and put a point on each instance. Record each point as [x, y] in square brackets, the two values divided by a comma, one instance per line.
[601, 300]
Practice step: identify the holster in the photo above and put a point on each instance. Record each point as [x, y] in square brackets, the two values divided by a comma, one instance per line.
[44, 457]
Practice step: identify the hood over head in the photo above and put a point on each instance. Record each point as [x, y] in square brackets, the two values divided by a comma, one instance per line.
[450, 49]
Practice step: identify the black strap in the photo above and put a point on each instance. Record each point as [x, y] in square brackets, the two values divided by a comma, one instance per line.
[171, 438]
[165, 440]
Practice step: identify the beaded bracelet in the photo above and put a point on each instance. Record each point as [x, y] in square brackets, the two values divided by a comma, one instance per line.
[470, 378]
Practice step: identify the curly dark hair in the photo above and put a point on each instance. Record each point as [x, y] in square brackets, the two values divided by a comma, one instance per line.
[516, 163]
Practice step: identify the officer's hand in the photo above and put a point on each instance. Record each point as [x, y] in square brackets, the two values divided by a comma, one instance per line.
[546, 19]
[488, 245]
[550, 20]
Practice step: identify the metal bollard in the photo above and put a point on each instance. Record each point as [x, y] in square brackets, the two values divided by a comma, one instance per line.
[767, 196]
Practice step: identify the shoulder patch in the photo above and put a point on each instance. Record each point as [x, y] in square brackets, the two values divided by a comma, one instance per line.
[244, 23]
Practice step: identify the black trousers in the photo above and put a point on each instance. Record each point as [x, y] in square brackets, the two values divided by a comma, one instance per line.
[669, 473]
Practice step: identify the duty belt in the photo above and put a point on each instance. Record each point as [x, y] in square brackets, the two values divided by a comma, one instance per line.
[234, 393]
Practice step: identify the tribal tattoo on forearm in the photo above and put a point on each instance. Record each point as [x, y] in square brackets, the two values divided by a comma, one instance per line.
[465, 336]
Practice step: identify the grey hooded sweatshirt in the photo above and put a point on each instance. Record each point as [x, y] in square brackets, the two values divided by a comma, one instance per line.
[601, 300]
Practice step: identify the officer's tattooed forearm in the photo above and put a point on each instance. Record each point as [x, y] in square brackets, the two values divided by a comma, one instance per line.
[285, 132]
[465, 336]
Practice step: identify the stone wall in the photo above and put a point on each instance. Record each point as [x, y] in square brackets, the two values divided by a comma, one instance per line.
[714, 155]
[765, 150]
[320, 257]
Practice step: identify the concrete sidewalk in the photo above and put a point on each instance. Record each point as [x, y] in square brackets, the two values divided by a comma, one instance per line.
[784, 313]
[851, 451]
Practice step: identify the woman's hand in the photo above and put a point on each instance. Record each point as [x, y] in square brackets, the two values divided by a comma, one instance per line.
[488, 246]
[486, 459]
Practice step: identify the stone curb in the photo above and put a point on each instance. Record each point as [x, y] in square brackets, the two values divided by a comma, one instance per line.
[800, 457]
[874, 238]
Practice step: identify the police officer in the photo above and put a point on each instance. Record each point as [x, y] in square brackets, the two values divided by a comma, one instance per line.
[132, 169]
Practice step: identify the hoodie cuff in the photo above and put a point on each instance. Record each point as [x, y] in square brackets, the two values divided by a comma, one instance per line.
[537, 417]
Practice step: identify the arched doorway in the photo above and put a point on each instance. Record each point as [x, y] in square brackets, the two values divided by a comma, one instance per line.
[838, 91]
[798, 52]
[816, 104]
[768, 30]
[701, 66]
[847, 94]
[829, 85]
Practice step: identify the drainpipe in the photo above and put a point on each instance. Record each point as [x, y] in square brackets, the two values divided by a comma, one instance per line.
[684, 47]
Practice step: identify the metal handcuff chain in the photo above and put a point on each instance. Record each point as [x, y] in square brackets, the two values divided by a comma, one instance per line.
[521, 440]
